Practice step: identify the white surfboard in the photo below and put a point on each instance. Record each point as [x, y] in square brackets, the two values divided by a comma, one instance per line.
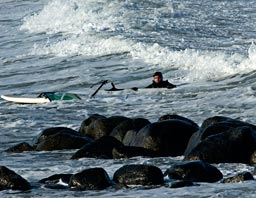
[25, 100]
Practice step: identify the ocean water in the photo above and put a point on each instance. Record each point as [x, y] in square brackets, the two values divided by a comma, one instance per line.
[205, 47]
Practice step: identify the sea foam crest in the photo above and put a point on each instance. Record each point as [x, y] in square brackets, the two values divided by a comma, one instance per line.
[84, 45]
[80, 23]
[248, 64]
[196, 65]
[87, 27]
[252, 52]
[72, 16]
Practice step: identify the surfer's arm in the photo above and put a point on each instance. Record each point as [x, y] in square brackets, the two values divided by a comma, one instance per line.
[170, 86]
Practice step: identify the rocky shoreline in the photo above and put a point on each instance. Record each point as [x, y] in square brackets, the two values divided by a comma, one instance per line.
[217, 140]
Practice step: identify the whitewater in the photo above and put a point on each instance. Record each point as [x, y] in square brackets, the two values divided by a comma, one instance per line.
[207, 48]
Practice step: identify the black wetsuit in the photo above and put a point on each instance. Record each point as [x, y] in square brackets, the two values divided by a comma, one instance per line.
[162, 84]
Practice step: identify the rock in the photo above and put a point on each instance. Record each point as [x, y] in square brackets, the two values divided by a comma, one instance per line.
[236, 145]
[213, 126]
[58, 181]
[194, 171]
[101, 148]
[20, 148]
[55, 186]
[253, 159]
[200, 135]
[136, 124]
[168, 138]
[177, 117]
[245, 176]
[90, 179]
[132, 151]
[139, 175]
[63, 140]
[129, 137]
[54, 179]
[88, 121]
[221, 119]
[194, 140]
[119, 186]
[11, 180]
[103, 127]
[52, 131]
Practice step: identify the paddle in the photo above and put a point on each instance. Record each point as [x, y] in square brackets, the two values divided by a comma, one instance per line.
[112, 89]
[101, 85]
[116, 89]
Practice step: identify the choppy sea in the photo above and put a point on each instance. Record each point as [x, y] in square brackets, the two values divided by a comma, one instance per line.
[205, 47]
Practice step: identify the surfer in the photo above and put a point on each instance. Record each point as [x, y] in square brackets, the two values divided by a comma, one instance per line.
[158, 82]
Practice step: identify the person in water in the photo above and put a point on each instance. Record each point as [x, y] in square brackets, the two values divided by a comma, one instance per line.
[158, 82]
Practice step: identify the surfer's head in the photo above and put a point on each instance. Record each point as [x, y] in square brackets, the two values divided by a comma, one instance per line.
[158, 77]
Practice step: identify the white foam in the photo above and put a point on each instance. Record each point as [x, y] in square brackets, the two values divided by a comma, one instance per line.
[195, 65]
[84, 25]
[73, 16]
[83, 45]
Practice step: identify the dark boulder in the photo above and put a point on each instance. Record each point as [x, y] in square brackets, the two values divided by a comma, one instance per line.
[54, 179]
[168, 138]
[90, 179]
[21, 147]
[11, 180]
[219, 124]
[139, 175]
[101, 148]
[103, 127]
[245, 176]
[194, 171]
[253, 159]
[213, 126]
[129, 137]
[135, 124]
[88, 121]
[52, 131]
[176, 117]
[215, 129]
[216, 125]
[63, 140]
[202, 134]
[119, 186]
[132, 151]
[226, 120]
[55, 186]
[236, 145]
